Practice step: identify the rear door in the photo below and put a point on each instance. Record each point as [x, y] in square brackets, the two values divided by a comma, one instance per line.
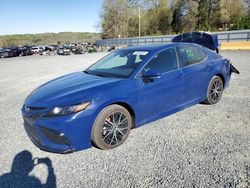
[196, 72]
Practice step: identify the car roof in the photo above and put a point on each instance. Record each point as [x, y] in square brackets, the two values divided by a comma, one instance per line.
[159, 47]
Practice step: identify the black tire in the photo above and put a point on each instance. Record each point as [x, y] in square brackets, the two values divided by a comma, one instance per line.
[111, 127]
[214, 91]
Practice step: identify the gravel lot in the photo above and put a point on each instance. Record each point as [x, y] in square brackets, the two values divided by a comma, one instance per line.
[203, 146]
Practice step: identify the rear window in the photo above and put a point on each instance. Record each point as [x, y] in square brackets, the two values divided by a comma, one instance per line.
[190, 55]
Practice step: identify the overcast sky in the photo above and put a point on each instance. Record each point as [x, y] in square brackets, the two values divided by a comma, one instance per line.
[40, 16]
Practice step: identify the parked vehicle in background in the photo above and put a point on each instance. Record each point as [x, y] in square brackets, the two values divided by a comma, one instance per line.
[64, 50]
[36, 50]
[2, 53]
[120, 47]
[24, 50]
[11, 52]
[48, 50]
[78, 49]
[15, 51]
[92, 49]
[110, 48]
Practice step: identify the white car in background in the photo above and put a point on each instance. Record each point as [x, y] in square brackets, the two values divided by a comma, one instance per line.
[36, 50]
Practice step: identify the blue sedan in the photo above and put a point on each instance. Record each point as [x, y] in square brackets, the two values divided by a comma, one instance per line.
[124, 90]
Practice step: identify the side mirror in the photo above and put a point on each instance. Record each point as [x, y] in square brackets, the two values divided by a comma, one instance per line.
[152, 74]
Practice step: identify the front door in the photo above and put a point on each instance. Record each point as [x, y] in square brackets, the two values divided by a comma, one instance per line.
[161, 95]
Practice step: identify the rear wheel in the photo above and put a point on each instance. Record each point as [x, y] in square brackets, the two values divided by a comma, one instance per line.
[215, 90]
[111, 127]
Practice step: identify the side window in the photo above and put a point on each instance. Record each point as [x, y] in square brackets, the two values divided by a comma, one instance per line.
[139, 58]
[190, 55]
[164, 61]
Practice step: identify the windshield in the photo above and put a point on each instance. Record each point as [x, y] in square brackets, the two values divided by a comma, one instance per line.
[120, 64]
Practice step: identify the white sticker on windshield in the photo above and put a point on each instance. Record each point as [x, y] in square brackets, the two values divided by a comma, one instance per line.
[140, 53]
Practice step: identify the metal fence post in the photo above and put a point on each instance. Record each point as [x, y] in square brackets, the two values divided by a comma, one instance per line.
[228, 37]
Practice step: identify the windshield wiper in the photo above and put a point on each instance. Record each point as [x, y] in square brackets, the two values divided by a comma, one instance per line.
[101, 75]
[96, 74]
[87, 72]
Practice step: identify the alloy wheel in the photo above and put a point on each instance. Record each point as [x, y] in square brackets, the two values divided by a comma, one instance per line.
[216, 90]
[115, 128]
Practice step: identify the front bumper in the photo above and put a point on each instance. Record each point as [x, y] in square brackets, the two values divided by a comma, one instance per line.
[63, 134]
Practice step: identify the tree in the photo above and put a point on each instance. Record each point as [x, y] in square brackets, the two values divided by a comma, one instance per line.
[243, 22]
[109, 20]
[231, 12]
[164, 17]
[119, 18]
[179, 13]
[208, 14]
[161, 17]
[158, 17]
[184, 16]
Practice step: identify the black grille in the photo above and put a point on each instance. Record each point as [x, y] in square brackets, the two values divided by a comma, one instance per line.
[55, 136]
[31, 132]
[34, 117]
[30, 120]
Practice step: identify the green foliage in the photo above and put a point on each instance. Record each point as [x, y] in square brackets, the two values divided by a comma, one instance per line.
[208, 14]
[46, 38]
[179, 15]
[243, 22]
[161, 17]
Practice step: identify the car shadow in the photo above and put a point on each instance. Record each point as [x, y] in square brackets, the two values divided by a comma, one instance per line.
[23, 163]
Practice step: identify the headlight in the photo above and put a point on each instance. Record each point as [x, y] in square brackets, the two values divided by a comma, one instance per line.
[63, 110]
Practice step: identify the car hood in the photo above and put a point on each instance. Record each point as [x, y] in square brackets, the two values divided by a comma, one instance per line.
[70, 89]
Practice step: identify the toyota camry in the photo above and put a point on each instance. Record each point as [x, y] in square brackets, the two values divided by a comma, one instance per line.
[126, 89]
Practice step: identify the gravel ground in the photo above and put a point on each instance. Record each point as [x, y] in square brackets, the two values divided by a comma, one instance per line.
[202, 146]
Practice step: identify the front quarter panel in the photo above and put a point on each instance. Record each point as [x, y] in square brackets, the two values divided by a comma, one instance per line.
[126, 91]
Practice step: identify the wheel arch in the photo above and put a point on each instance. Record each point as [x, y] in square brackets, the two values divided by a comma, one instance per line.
[125, 104]
[222, 78]
[129, 109]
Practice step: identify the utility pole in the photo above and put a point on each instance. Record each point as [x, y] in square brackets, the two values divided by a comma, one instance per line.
[139, 21]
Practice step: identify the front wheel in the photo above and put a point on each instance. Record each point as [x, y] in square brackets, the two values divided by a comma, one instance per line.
[111, 127]
[214, 91]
